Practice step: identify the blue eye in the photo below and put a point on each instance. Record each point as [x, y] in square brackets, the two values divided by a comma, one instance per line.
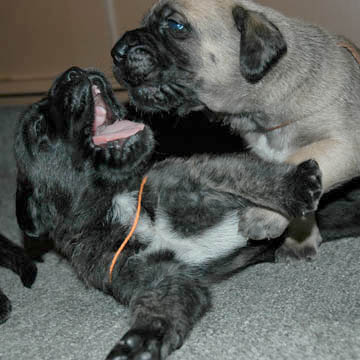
[173, 25]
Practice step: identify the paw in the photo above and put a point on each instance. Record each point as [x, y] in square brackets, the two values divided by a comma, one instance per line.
[108, 154]
[307, 188]
[302, 243]
[136, 344]
[259, 223]
[287, 254]
[5, 307]
[28, 272]
[146, 343]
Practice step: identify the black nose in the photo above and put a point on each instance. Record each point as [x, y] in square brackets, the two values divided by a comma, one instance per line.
[74, 73]
[134, 57]
[119, 52]
[129, 40]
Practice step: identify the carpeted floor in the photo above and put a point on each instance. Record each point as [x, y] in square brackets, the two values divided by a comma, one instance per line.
[303, 310]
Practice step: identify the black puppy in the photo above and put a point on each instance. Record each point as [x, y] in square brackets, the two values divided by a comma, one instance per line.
[14, 258]
[80, 168]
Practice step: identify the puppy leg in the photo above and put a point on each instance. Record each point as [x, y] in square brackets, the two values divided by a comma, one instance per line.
[258, 223]
[337, 165]
[14, 258]
[288, 190]
[166, 300]
[300, 194]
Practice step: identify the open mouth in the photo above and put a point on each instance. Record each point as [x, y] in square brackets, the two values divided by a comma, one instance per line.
[107, 128]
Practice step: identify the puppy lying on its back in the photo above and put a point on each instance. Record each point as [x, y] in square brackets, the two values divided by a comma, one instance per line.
[79, 174]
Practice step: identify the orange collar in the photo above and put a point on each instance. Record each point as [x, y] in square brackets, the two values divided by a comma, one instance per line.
[352, 49]
[134, 225]
[286, 123]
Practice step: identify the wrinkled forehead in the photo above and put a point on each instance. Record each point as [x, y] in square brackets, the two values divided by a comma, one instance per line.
[204, 8]
[195, 11]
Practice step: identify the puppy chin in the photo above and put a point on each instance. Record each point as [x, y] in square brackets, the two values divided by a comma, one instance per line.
[152, 99]
[155, 98]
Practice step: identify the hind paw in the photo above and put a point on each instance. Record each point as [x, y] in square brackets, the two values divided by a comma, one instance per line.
[153, 342]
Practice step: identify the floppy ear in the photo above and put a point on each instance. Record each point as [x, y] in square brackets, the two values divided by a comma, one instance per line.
[35, 240]
[261, 43]
[25, 210]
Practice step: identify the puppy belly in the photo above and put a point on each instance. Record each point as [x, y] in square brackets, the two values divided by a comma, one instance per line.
[217, 241]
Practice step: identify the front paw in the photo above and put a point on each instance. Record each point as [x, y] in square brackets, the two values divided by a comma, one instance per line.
[28, 272]
[108, 154]
[153, 342]
[307, 187]
[258, 223]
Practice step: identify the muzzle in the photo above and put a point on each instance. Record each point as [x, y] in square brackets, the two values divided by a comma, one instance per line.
[134, 56]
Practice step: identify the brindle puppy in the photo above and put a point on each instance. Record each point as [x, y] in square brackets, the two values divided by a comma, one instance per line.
[291, 89]
[79, 171]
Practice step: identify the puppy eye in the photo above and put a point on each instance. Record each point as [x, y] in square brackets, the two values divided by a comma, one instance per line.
[39, 127]
[177, 29]
[174, 25]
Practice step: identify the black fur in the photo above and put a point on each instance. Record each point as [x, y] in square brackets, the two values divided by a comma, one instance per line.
[339, 212]
[193, 213]
[14, 258]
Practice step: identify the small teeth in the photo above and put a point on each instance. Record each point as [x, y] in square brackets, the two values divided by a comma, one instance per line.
[96, 90]
[115, 144]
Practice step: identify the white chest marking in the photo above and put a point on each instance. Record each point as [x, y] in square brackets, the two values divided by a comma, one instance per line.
[217, 241]
[123, 208]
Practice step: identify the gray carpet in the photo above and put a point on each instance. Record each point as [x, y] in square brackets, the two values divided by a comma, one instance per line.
[306, 310]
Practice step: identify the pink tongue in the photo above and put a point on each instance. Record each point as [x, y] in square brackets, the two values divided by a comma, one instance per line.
[120, 129]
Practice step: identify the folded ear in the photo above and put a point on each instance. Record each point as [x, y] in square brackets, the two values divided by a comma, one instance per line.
[27, 218]
[261, 43]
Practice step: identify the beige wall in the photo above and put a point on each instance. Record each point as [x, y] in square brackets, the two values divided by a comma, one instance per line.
[129, 13]
[340, 16]
[44, 37]
[39, 39]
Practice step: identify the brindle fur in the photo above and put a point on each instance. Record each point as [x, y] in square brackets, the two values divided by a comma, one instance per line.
[196, 213]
